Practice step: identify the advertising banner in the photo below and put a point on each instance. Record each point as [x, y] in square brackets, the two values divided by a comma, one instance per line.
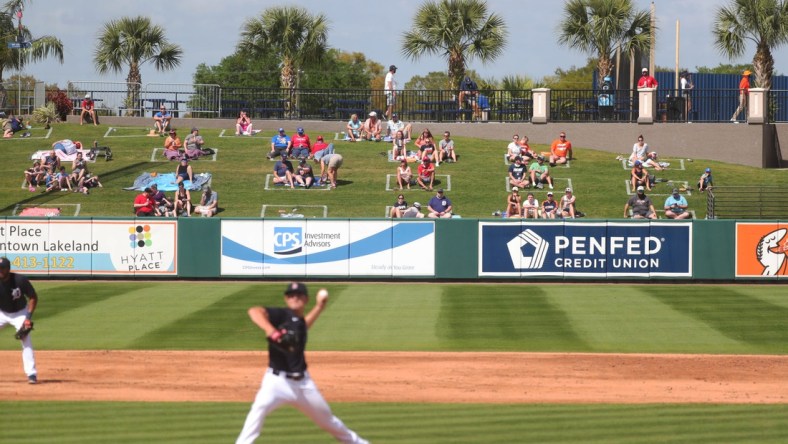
[98, 247]
[593, 249]
[761, 249]
[327, 248]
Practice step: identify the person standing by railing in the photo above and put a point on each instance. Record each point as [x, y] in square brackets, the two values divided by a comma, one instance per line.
[686, 85]
[390, 89]
[744, 93]
[647, 81]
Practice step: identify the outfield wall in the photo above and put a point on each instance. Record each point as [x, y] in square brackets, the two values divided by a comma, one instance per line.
[457, 249]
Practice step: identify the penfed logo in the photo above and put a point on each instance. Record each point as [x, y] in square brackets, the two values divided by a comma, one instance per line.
[288, 240]
[585, 249]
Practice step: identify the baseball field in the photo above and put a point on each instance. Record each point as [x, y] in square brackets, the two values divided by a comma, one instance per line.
[180, 362]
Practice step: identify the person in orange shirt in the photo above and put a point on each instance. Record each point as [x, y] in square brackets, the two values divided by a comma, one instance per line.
[560, 150]
[744, 92]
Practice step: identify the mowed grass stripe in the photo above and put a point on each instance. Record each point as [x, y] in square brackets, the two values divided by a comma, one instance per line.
[760, 324]
[58, 298]
[86, 422]
[379, 317]
[223, 323]
[118, 321]
[505, 317]
[627, 318]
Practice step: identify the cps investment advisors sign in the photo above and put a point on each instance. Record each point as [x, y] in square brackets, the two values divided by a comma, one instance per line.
[592, 249]
[275, 247]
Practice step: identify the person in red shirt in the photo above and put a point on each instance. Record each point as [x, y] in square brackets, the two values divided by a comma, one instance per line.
[143, 204]
[89, 108]
[321, 148]
[744, 93]
[647, 81]
[301, 144]
[426, 174]
[560, 150]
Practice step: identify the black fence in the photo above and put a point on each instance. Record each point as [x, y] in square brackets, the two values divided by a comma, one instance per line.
[753, 202]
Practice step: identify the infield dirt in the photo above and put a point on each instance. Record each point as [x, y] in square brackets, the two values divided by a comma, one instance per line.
[162, 376]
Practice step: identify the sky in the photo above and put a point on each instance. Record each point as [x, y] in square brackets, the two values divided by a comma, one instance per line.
[208, 30]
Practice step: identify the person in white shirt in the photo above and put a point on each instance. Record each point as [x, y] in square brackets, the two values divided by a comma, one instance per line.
[390, 89]
[639, 151]
[395, 125]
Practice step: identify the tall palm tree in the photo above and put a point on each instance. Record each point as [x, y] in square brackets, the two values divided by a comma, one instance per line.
[459, 30]
[292, 33]
[17, 58]
[131, 42]
[763, 22]
[599, 27]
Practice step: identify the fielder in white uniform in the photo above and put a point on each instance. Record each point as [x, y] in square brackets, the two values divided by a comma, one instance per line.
[18, 301]
[286, 381]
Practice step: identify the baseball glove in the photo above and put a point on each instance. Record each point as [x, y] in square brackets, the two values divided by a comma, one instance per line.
[23, 331]
[286, 339]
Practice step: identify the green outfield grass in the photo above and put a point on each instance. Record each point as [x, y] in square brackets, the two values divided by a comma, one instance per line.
[420, 316]
[477, 180]
[166, 423]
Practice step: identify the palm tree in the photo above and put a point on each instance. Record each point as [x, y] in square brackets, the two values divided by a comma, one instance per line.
[460, 30]
[131, 42]
[17, 58]
[599, 27]
[763, 22]
[292, 33]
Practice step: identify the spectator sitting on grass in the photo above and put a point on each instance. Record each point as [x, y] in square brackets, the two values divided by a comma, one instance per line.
[184, 172]
[162, 120]
[63, 182]
[372, 128]
[144, 204]
[514, 204]
[280, 144]
[243, 125]
[531, 207]
[399, 149]
[446, 149]
[395, 125]
[517, 173]
[194, 143]
[162, 206]
[172, 146]
[540, 174]
[514, 148]
[321, 148]
[567, 205]
[404, 174]
[413, 211]
[12, 125]
[706, 182]
[440, 206]
[302, 146]
[676, 206]
[87, 183]
[426, 174]
[209, 203]
[305, 176]
[283, 172]
[641, 205]
[183, 201]
[79, 168]
[353, 128]
[549, 206]
[399, 207]
[34, 175]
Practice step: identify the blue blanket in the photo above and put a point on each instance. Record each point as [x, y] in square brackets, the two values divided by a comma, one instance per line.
[166, 182]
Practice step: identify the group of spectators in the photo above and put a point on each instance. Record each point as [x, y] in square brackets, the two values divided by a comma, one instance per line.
[640, 205]
[301, 149]
[51, 175]
[154, 203]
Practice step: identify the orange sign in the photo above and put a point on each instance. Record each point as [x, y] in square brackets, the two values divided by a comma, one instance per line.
[761, 249]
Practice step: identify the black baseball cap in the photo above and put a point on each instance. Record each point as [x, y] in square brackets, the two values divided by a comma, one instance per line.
[296, 288]
[5, 263]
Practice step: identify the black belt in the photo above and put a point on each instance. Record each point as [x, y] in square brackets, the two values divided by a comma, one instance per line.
[293, 376]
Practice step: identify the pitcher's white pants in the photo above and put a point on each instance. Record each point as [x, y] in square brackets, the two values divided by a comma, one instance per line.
[17, 319]
[276, 390]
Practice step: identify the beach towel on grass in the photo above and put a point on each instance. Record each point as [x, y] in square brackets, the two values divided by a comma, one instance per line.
[166, 182]
[40, 212]
[41, 154]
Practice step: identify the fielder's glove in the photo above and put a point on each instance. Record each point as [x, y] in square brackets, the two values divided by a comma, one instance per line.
[24, 331]
[285, 339]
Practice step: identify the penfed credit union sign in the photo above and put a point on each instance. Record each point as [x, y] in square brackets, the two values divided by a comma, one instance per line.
[593, 249]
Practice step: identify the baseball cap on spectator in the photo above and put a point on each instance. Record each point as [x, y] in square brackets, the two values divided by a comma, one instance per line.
[172, 131]
[87, 96]
[747, 72]
[637, 162]
[515, 189]
[194, 128]
[394, 115]
[675, 191]
[296, 288]
[392, 67]
[549, 193]
[708, 170]
[319, 137]
[426, 160]
[300, 130]
[415, 204]
[184, 160]
[440, 190]
[147, 190]
[153, 185]
[281, 130]
[284, 155]
[568, 190]
[644, 70]
[373, 114]
[5, 263]
[641, 188]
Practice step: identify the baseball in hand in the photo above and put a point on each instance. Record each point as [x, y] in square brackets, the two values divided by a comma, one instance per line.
[322, 295]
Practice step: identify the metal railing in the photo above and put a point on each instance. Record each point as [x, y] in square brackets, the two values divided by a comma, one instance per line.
[753, 202]
[21, 97]
[582, 105]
